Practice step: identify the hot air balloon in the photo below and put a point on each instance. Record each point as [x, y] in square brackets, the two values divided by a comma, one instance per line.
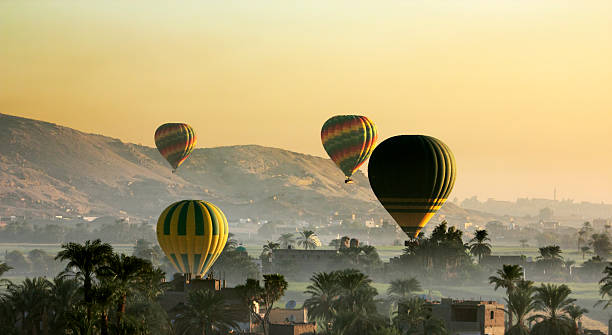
[175, 141]
[412, 176]
[192, 233]
[348, 140]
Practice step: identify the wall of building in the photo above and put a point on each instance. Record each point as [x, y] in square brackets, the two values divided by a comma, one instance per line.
[283, 315]
[293, 329]
[470, 317]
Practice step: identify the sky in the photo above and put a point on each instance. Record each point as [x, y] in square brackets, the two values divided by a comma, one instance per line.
[520, 90]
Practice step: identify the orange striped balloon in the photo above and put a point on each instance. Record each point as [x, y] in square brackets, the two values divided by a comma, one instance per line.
[175, 141]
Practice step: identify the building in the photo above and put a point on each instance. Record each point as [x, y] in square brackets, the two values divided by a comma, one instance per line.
[287, 315]
[601, 224]
[469, 317]
[293, 329]
[285, 321]
[172, 300]
[549, 226]
[496, 262]
[283, 260]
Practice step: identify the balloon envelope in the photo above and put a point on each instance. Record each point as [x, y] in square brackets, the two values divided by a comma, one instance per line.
[412, 176]
[192, 233]
[348, 140]
[175, 141]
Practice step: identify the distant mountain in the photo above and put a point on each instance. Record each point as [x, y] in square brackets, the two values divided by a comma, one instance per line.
[46, 169]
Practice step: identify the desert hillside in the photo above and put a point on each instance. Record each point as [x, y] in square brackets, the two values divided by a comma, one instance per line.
[47, 169]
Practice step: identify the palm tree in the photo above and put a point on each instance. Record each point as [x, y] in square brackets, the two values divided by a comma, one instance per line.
[31, 302]
[575, 313]
[520, 303]
[356, 293]
[152, 283]
[85, 259]
[125, 273]
[585, 250]
[552, 300]
[403, 288]
[508, 277]
[413, 316]
[8, 316]
[65, 296]
[286, 240]
[3, 269]
[581, 238]
[601, 245]
[324, 294]
[551, 252]
[356, 307]
[205, 311]
[434, 326]
[605, 288]
[79, 324]
[479, 246]
[274, 288]
[360, 322]
[104, 297]
[550, 257]
[583, 233]
[308, 239]
[268, 248]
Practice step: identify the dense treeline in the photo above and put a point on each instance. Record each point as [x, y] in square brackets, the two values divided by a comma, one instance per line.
[102, 292]
[98, 292]
[343, 302]
[117, 231]
[537, 310]
[440, 258]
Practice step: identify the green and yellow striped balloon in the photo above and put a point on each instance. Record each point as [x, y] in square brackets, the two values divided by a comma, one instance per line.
[412, 176]
[349, 141]
[192, 233]
[175, 141]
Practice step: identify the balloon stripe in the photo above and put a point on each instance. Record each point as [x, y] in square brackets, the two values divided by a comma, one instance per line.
[182, 221]
[207, 233]
[196, 262]
[215, 224]
[199, 220]
[174, 261]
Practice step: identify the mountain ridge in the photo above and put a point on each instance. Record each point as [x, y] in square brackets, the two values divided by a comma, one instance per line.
[48, 169]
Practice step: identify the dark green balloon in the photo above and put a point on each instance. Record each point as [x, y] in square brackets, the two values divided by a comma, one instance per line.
[412, 176]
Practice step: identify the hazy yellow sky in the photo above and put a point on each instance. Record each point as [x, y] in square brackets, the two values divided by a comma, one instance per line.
[521, 90]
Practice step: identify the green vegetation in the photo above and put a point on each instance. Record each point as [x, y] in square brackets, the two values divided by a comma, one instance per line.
[204, 312]
[99, 292]
[343, 302]
[479, 246]
[274, 288]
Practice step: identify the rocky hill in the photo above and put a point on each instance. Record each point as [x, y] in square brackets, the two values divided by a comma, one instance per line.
[46, 170]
